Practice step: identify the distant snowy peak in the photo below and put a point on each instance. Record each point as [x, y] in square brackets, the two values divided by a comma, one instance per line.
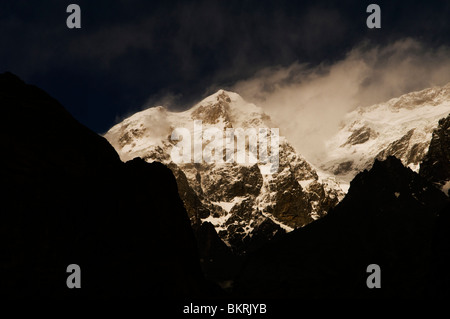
[401, 127]
[430, 96]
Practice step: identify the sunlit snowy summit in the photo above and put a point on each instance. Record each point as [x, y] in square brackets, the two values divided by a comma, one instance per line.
[244, 204]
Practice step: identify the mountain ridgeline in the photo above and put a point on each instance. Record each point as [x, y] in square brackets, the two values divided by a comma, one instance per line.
[401, 127]
[139, 225]
[390, 217]
[69, 199]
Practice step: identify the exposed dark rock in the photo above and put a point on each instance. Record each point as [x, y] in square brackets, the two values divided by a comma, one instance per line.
[128, 136]
[291, 204]
[416, 153]
[249, 229]
[318, 194]
[211, 114]
[436, 164]
[360, 136]
[343, 167]
[216, 185]
[194, 207]
[396, 148]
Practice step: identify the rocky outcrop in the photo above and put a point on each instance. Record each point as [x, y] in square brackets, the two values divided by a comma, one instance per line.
[436, 164]
[398, 147]
[68, 199]
[360, 136]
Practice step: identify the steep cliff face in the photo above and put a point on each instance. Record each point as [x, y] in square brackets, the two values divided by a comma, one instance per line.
[68, 199]
[241, 200]
[436, 164]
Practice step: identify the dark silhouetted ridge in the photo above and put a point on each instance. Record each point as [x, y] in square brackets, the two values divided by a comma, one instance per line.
[391, 217]
[68, 199]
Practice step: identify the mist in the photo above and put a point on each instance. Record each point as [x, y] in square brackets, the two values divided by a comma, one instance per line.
[309, 102]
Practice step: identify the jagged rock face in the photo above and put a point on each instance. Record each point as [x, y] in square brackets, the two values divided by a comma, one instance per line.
[401, 127]
[436, 164]
[391, 217]
[225, 183]
[212, 114]
[360, 136]
[239, 199]
[398, 147]
[69, 199]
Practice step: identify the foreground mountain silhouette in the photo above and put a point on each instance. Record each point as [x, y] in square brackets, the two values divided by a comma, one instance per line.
[391, 217]
[68, 199]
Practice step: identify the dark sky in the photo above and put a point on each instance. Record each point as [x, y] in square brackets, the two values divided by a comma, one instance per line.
[129, 53]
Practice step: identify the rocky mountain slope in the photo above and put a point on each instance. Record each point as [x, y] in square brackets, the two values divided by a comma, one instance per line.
[401, 127]
[436, 164]
[245, 204]
[68, 199]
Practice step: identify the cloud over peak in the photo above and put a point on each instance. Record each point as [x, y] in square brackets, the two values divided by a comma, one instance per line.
[309, 102]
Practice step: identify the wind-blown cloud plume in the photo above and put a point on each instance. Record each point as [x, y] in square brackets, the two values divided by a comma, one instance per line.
[309, 102]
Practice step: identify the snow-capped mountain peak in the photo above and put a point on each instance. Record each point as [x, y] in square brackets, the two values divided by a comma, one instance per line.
[230, 109]
[401, 127]
[239, 199]
[150, 127]
[430, 96]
